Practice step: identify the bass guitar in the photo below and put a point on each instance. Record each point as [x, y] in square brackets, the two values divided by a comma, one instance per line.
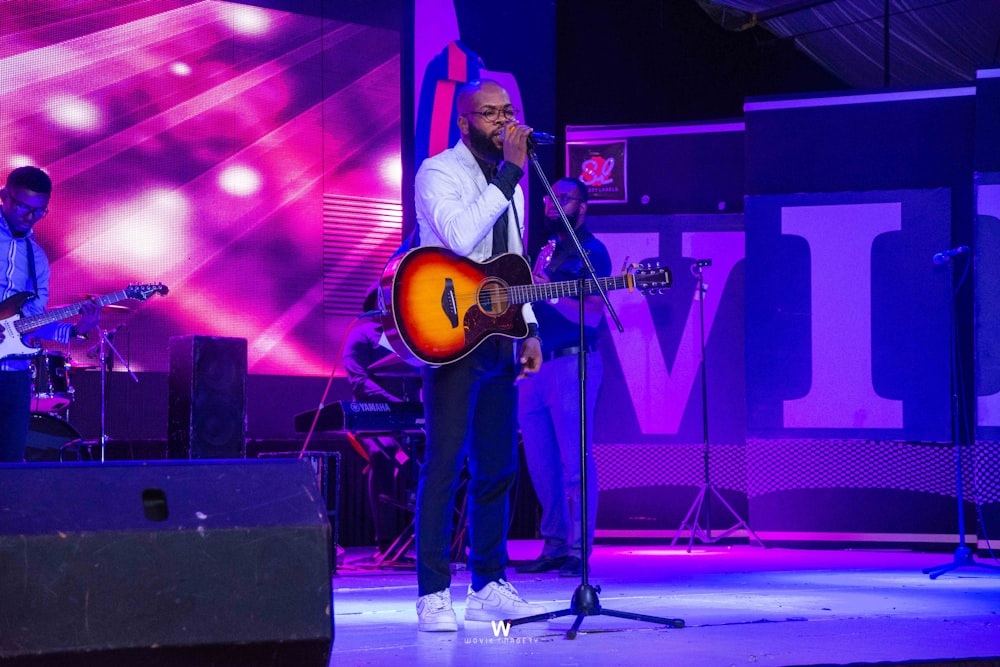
[13, 326]
[439, 306]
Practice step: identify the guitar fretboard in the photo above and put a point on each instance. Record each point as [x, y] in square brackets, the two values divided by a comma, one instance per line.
[546, 291]
[27, 324]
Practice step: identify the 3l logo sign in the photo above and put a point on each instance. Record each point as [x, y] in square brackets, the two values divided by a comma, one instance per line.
[601, 167]
[598, 170]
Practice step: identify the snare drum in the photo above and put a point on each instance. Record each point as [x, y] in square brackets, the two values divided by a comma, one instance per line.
[52, 390]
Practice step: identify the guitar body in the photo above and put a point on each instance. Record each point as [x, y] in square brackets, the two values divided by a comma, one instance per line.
[441, 306]
[11, 344]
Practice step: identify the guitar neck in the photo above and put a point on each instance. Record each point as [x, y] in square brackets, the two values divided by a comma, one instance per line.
[27, 324]
[546, 291]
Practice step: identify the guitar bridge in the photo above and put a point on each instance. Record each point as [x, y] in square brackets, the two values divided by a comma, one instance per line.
[448, 303]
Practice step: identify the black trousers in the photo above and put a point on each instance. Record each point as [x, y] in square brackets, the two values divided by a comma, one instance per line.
[471, 413]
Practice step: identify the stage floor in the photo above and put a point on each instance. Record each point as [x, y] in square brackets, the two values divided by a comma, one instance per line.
[741, 605]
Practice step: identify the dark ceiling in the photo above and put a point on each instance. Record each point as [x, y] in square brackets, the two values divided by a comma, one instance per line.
[930, 42]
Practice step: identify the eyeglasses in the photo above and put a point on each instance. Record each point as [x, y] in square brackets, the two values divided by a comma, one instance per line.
[563, 199]
[492, 114]
[28, 211]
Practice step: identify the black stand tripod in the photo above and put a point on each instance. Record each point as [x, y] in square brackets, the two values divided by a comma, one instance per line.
[106, 352]
[585, 600]
[703, 501]
[963, 555]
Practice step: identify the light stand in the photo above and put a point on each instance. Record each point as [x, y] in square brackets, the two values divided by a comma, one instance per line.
[585, 601]
[963, 555]
[703, 501]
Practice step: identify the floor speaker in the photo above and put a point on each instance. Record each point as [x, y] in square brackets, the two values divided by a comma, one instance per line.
[206, 397]
[164, 563]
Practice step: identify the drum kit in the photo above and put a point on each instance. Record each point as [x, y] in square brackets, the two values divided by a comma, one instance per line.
[51, 436]
[50, 431]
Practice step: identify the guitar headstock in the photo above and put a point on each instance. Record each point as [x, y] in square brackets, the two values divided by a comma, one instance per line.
[142, 291]
[651, 278]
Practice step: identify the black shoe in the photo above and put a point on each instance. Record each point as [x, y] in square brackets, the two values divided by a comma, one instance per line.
[573, 567]
[542, 564]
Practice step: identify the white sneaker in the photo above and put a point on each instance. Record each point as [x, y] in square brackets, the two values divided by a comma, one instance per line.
[498, 601]
[434, 613]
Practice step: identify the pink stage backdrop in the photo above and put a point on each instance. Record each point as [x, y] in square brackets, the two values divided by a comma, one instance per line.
[247, 158]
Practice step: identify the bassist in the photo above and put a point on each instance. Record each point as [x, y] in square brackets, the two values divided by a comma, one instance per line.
[24, 267]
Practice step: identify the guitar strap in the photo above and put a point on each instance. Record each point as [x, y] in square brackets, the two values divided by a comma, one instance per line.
[31, 266]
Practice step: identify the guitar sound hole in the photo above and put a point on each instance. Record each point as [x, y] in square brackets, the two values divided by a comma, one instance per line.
[493, 297]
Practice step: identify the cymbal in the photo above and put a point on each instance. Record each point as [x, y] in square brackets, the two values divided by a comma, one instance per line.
[80, 365]
[393, 366]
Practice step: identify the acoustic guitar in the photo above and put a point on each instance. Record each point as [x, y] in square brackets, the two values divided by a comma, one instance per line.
[439, 306]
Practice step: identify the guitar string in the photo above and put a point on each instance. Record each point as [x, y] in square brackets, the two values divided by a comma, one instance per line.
[520, 293]
[57, 314]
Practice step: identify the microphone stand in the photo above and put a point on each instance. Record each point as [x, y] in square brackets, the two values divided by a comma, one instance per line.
[963, 555]
[107, 362]
[585, 601]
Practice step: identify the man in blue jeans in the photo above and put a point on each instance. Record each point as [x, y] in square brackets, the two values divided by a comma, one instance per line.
[549, 404]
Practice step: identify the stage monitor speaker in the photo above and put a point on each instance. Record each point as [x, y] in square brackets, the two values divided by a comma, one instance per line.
[190, 563]
[206, 397]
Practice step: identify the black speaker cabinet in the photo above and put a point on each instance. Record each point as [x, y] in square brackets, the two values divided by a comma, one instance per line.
[206, 397]
[164, 563]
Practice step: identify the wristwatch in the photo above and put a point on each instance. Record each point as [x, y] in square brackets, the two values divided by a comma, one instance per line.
[533, 332]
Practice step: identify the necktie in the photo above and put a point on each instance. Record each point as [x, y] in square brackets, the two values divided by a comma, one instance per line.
[500, 226]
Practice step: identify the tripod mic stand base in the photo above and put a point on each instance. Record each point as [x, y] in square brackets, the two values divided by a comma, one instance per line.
[690, 521]
[585, 603]
[963, 558]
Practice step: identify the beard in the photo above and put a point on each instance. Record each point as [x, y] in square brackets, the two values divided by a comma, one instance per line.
[555, 226]
[483, 146]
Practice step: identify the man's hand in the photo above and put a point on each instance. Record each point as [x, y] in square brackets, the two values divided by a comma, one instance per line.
[531, 358]
[91, 312]
[540, 278]
[515, 144]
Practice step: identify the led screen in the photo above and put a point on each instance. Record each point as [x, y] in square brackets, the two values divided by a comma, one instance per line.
[198, 144]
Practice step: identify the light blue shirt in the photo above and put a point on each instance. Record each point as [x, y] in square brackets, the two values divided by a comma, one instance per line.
[15, 278]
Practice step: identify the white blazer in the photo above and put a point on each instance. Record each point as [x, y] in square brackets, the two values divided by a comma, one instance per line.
[456, 208]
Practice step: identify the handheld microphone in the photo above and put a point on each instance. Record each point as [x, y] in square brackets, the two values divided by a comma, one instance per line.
[945, 256]
[540, 139]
